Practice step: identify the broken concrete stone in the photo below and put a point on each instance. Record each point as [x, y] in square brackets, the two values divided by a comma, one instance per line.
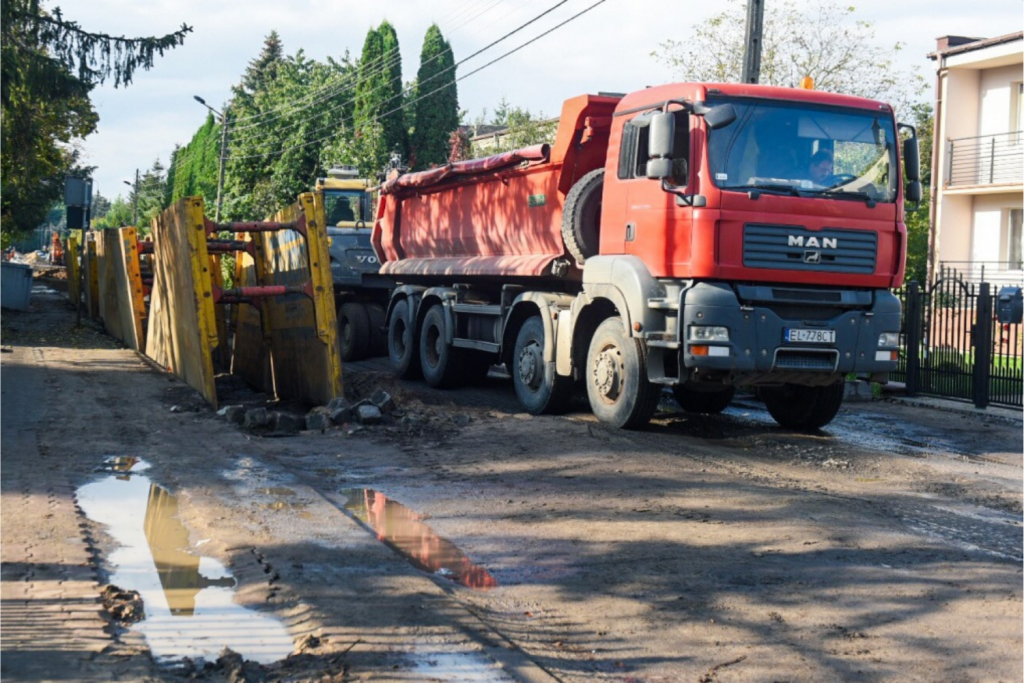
[340, 402]
[368, 414]
[256, 417]
[858, 390]
[462, 420]
[383, 400]
[235, 414]
[287, 423]
[318, 419]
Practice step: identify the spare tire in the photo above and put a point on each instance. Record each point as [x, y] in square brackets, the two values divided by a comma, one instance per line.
[581, 219]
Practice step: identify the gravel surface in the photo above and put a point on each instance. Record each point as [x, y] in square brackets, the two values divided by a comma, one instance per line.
[887, 547]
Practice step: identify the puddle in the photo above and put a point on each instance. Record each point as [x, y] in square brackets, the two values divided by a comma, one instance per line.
[285, 505]
[403, 530]
[188, 598]
[464, 667]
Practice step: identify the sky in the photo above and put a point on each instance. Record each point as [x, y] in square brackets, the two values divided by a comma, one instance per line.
[606, 49]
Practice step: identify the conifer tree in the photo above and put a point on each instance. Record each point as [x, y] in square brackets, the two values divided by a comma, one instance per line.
[436, 110]
[379, 120]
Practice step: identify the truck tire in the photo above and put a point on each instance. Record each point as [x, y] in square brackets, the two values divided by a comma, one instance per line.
[438, 360]
[353, 331]
[616, 376]
[709, 402]
[799, 407]
[539, 388]
[378, 345]
[581, 218]
[402, 348]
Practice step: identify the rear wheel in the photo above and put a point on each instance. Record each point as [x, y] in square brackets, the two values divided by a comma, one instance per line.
[710, 402]
[539, 388]
[402, 349]
[353, 331]
[616, 377]
[799, 407]
[438, 359]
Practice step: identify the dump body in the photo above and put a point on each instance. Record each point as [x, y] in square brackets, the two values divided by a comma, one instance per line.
[700, 219]
[496, 217]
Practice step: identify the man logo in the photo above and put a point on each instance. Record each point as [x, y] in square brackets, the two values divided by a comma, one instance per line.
[813, 242]
[812, 257]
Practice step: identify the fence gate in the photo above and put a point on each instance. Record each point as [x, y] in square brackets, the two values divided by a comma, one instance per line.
[954, 347]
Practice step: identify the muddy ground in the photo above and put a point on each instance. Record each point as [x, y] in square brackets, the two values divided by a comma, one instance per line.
[886, 547]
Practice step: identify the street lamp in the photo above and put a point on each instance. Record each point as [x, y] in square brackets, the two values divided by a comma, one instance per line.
[135, 203]
[223, 150]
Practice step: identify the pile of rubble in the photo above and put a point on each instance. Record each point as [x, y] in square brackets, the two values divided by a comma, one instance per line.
[340, 412]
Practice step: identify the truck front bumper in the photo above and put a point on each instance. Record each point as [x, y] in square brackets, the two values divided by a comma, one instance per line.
[846, 327]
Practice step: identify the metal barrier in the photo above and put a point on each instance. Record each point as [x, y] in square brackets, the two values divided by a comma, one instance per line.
[954, 347]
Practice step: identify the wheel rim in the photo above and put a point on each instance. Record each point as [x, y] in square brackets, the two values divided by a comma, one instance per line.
[530, 366]
[609, 374]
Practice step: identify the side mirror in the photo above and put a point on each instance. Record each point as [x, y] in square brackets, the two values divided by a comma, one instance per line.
[911, 159]
[913, 193]
[658, 169]
[720, 116]
[662, 133]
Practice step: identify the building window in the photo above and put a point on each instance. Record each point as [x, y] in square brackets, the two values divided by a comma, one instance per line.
[1015, 235]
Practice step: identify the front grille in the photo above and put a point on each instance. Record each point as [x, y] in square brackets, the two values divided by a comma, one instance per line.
[831, 250]
[801, 359]
[793, 312]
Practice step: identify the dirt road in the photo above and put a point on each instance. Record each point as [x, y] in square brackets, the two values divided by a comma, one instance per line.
[885, 548]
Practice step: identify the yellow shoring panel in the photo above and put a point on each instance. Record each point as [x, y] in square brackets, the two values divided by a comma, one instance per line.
[132, 286]
[182, 331]
[74, 271]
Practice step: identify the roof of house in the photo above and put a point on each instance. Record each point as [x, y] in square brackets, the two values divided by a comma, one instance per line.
[954, 45]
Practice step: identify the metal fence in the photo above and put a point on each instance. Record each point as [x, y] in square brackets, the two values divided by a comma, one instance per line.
[954, 347]
[986, 159]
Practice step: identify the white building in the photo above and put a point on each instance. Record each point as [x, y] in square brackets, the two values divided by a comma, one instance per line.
[977, 172]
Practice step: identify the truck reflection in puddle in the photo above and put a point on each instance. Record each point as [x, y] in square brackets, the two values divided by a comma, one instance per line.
[402, 530]
[188, 598]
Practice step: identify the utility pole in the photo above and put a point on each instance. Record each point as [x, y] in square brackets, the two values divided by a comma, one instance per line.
[752, 50]
[223, 151]
[135, 203]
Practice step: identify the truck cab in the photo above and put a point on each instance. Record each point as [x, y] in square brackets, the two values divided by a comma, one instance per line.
[360, 291]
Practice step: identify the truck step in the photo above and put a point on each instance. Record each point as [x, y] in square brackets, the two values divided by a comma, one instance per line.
[663, 304]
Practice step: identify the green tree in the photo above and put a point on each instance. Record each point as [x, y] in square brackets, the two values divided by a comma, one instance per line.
[119, 213]
[919, 221]
[518, 128]
[823, 40]
[379, 119]
[48, 67]
[436, 108]
[193, 169]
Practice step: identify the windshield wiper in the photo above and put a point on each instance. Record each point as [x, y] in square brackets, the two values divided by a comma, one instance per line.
[771, 188]
[851, 194]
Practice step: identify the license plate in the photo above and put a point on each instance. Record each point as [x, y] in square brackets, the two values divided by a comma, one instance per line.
[802, 335]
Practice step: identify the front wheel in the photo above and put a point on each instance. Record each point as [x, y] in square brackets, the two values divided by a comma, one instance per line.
[353, 330]
[798, 407]
[616, 376]
[539, 388]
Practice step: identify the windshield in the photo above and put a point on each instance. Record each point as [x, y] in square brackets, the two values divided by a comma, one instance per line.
[344, 207]
[806, 150]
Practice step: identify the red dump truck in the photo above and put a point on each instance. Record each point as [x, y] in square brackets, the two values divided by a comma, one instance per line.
[700, 236]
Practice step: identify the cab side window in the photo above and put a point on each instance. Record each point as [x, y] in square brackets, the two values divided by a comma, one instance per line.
[633, 156]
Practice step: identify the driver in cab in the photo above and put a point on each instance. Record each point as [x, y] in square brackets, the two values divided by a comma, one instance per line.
[820, 167]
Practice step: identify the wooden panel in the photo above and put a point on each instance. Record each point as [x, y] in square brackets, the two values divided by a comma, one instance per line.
[182, 333]
[304, 341]
[120, 285]
[92, 283]
[250, 358]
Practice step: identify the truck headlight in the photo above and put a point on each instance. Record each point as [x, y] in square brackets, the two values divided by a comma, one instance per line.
[889, 339]
[709, 333]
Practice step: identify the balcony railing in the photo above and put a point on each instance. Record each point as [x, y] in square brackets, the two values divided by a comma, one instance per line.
[986, 160]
